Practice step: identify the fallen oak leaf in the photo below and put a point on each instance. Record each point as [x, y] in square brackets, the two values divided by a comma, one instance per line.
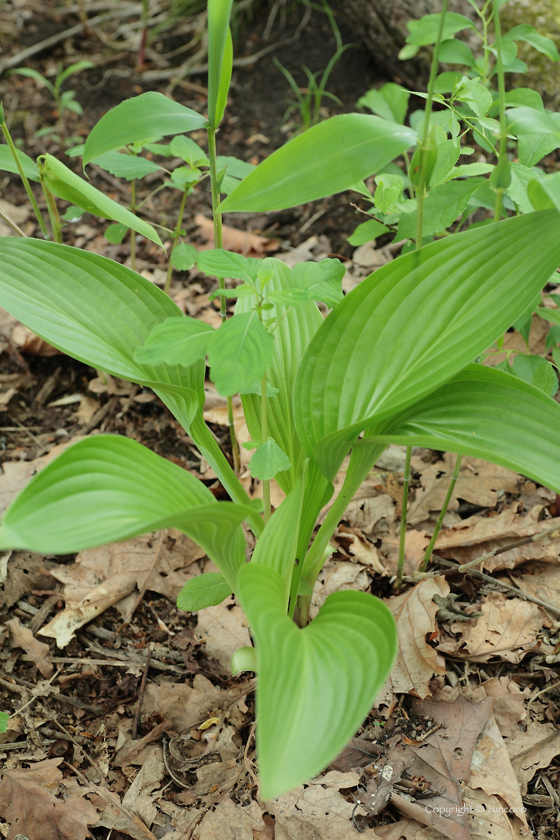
[233, 239]
[29, 807]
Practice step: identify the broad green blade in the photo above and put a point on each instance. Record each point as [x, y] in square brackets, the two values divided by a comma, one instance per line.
[97, 311]
[277, 545]
[66, 184]
[326, 159]
[148, 115]
[489, 414]
[239, 353]
[316, 685]
[109, 488]
[206, 590]
[414, 324]
[544, 193]
[220, 56]
[8, 164]
[178, 341]
[295, 329]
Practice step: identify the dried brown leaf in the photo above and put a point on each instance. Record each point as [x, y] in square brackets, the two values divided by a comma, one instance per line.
[241, 241]
[531, 750]
[29, 343]
[224, 629]
[30, 808]
[140, 796]
[22, 637]
[507, 628]
[415, 614]
[231, 822]
[492, 772]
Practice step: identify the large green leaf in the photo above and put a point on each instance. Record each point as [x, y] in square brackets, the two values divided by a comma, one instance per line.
[489, 414]
[328, 158]
[109, 488]
[97, 311]
[414, 324]
[316, 685]
[8, 164]
[66, 184]
[148, 115]
[277, 545]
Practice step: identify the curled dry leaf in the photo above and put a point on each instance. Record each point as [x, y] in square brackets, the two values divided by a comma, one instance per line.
[507, 629]
[22, 637]
[27, 342]
[101, 577]
[492, 772]
[476, 536]
[477, 483]
[224, 629]
[415, 614]
[336, 576]
[241, 241]
[531, 750]
[29, 807]
[508, 703]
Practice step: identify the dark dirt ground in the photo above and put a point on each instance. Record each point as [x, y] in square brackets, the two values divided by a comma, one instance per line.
[95, 700]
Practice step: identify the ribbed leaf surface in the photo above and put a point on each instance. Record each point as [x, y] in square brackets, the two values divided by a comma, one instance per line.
[96, 311]
[489, 414]
[316, 685]
[414, 324]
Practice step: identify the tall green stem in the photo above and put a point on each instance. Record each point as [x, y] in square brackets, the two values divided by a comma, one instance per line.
[133, 232]
[22, 175]
[406, 480]
[53, 214]
[421, 188]
[176, 234]
[500, 189]
[264, 438]
[218, 242]
[439, 523]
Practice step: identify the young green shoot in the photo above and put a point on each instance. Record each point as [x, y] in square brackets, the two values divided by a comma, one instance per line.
[429, 550]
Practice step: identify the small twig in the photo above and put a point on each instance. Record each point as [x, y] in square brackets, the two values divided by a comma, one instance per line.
[141, 692]
[5, 217]
[437, 529]
[538, 694]
[168, 768]
[402, 536]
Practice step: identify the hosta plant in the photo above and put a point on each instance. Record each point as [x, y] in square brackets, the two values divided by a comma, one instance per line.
[393, 361]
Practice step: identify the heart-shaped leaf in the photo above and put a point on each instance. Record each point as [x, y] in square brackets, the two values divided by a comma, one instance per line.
[239, 353]
[315, 685]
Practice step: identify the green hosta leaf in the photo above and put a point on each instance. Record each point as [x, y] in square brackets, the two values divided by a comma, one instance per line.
[389, 102]
[426, 30]
[184, 256]
[177, 341]
[8, 164]
[97, 311]
[437, 308]
[220, 263]
[366, 232]
[116, 233]
[126, 166]
[529, 34]
[277, 546]
[239, 353]
[488, 414]
[315, 685]
[111, 488]
[148, 115]
[521, 176]
[4, 718]
[219, 58]
[206, 590]
[187, 149]
[66, 184]
[537, 371]
[442, 206]
[326, 159]
[453, 51]
[538, 133]
[268, 460]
